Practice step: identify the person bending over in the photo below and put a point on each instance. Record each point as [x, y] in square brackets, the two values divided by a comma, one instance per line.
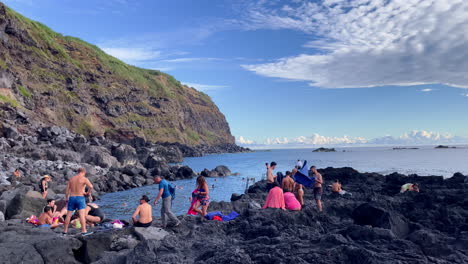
[144, 213]
[94, 214]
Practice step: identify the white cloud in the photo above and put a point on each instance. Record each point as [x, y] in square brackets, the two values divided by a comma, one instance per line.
[416, 137]
[368, 43]
[243, 141]
[465, 94]
[426, 90]
[205, 87]
[132, 54]
[190, 59]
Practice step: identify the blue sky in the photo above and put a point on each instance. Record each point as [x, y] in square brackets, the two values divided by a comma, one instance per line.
[295, 72]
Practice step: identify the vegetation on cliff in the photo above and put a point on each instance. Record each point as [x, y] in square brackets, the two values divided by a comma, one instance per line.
[65, 81]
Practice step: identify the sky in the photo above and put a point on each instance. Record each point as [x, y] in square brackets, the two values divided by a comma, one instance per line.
[295, 73]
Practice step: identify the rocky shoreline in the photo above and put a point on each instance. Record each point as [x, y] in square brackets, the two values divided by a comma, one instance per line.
[376, 224]
[36, 150]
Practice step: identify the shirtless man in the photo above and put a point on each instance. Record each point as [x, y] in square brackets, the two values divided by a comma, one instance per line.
[144, 212]
[75, 196]
[270, 176]
[317, 187]
[336, 188]
[45, 219]
[288, 183]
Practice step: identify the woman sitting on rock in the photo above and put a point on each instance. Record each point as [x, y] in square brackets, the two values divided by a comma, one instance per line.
[202, 192]
[275, 199]
[291, 202]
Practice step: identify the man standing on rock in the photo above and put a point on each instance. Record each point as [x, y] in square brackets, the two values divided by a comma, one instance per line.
[166, 196]
[317, 187]
[75, 196]
[270, 176]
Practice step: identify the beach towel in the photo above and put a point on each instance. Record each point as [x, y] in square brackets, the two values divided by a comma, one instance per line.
[275, 199]
[214, 215]
[194, 200]
[32, 220]
[302, 177]
[291, 202]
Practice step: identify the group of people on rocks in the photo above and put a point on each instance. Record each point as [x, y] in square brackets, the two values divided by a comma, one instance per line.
[286, 193]
[78, 210]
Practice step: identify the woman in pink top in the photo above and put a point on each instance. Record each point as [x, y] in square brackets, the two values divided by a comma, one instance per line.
[291, 202]
[275, 199]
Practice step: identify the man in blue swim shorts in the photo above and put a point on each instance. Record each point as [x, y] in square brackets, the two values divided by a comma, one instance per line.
[75, 195]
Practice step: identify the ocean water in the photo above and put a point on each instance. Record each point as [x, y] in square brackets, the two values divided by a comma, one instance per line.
[423, 161]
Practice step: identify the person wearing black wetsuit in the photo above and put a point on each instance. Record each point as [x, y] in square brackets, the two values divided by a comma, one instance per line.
[94, 214]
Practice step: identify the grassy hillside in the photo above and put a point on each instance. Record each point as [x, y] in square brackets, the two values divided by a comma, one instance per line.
[66, 81]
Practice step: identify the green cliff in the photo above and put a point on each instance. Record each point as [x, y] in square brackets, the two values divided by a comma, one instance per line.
[65, 81]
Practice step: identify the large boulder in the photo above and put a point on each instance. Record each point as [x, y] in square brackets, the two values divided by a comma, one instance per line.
[125, 154]
[58, 249]
[369, 214]
[99, 156]
[207, 173]
[185, 172]
[26, 204]
[222, 170]
[171, 153]
[155, 161]
[150, 233]
[10, 132]
[24, 253]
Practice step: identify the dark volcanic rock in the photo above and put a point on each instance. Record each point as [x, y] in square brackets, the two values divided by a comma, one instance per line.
[125, 154]
[222, 170]
[367, 214]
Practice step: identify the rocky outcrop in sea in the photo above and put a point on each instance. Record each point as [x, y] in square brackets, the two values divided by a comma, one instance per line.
[374, 224]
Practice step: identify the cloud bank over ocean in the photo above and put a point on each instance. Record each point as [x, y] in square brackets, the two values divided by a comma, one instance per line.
[408, 139]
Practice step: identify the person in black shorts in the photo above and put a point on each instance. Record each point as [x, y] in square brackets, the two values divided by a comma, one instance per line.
[144, 213]
[317, 187]
[271, 179]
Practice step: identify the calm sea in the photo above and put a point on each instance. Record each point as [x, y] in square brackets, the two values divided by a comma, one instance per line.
[423, 161]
